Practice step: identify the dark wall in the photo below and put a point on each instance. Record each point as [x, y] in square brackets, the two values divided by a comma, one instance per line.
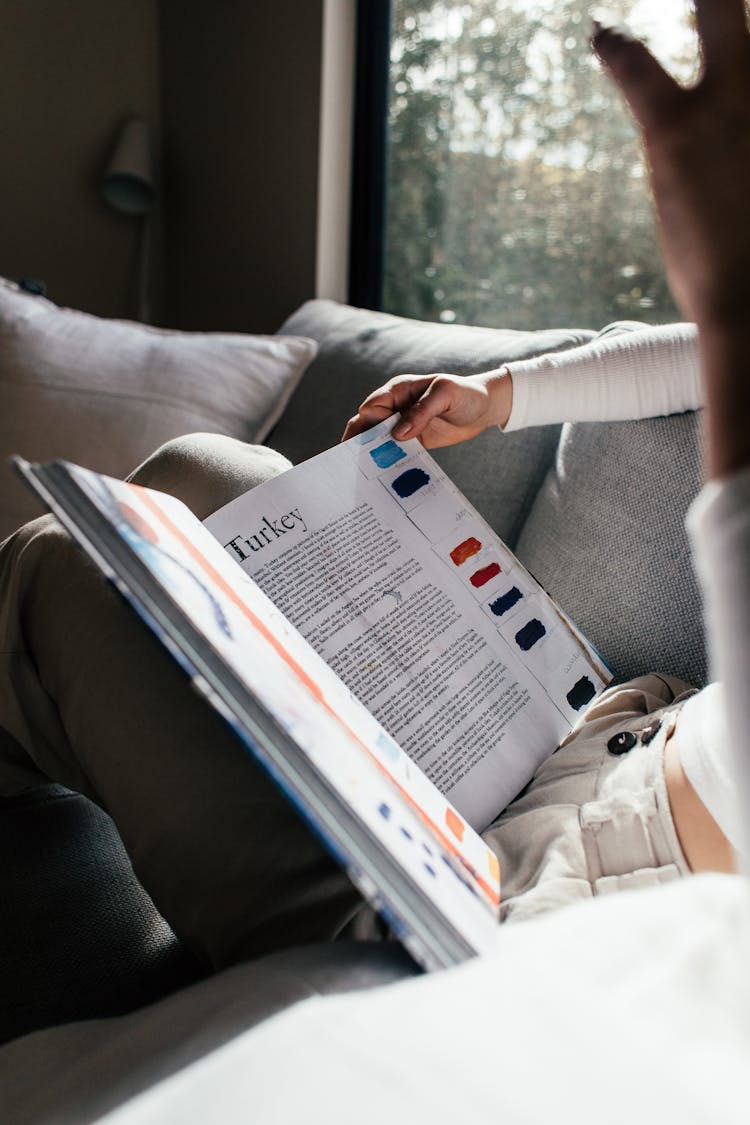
[241, 92]
[232, 87]
[70, 73]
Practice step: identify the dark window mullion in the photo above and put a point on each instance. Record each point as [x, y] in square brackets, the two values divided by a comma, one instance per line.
[369, 154]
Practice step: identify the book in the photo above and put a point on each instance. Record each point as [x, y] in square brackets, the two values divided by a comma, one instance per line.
[374, 646]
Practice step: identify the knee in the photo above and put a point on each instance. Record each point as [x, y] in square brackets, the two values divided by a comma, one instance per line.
[37, 560]
[38, 538]
[206, 470]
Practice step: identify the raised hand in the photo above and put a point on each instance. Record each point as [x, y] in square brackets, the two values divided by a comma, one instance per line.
[697, 144]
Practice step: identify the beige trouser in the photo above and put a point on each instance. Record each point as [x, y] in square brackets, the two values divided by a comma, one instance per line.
[592, 822]
[88, 698]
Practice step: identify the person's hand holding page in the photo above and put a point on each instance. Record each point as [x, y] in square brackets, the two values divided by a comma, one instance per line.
[437, 409]
[697, 144]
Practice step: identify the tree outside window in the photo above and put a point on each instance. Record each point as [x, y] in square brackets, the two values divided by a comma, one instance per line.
[516, 188]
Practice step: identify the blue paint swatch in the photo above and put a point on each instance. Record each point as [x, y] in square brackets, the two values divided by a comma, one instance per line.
[410, 482]
[385, 811]
[505, 602]
[387, 454]
[581, 693]
[532, 632]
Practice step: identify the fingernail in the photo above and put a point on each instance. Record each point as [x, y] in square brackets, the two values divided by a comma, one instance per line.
[402, 429]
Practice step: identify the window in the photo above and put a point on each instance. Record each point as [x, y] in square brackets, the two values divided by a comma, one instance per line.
[516, 190]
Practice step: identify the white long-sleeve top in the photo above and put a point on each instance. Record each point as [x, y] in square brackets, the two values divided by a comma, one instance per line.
[638, 374]
[641, 374]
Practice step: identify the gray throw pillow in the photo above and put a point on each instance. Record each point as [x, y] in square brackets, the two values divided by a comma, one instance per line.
[106, 393]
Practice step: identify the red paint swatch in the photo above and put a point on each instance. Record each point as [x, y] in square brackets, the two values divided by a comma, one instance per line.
[479, 577]
[465, 550]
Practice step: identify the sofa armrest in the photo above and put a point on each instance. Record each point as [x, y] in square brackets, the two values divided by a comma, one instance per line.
[79, 936]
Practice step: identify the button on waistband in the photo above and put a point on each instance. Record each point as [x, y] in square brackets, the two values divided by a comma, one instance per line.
[622, 742]
[649, 733]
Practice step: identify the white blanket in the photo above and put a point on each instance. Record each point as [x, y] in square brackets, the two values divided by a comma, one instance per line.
[625, 1010]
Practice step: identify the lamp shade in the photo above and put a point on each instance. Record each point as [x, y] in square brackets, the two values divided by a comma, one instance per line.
[128, 179]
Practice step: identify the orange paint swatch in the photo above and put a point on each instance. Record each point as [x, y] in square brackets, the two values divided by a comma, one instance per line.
[465, 550]
[454, 822]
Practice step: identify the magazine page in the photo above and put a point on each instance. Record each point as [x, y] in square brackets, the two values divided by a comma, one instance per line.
[446, 860]
[407, 593]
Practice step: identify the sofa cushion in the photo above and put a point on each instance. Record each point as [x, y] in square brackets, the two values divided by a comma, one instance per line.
[605, 536]
[107, 393]
[91, 1067]
[360, 349]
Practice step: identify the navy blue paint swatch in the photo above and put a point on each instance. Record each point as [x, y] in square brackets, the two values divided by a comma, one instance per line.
[532, 632]
[505, 602]
[581, 693]
[387, 454]
[410, 482]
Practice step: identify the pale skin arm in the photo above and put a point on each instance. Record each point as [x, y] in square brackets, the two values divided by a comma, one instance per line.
[438, 409]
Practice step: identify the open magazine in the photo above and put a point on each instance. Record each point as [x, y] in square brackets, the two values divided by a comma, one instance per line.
[390, 664]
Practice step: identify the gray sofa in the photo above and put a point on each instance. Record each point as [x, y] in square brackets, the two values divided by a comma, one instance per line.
[594, 511]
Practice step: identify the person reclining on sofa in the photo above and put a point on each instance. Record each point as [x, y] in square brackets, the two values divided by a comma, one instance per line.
[641, 374]
[88, 697]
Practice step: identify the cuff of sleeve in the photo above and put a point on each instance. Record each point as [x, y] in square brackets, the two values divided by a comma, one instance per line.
[532, 403]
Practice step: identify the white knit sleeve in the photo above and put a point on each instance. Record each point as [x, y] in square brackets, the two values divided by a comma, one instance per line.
[639, 374]
[718, 523]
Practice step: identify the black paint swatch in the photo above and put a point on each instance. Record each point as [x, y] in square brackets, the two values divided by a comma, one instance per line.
[581, 693]
[505, 602]
[409, 482]
[532, 632]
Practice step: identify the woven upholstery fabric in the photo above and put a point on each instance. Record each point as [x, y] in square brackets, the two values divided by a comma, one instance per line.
[606, 537]
[79, 937]
[359, 350]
